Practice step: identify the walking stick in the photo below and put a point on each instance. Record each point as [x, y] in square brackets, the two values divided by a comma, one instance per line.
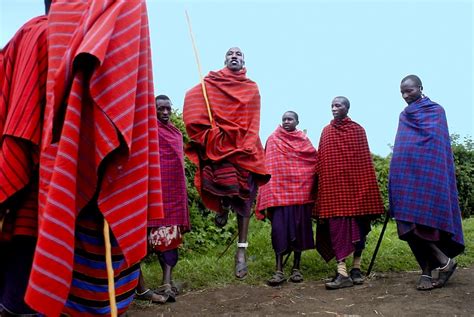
[203, 86]
[372, 261]
[110, 270]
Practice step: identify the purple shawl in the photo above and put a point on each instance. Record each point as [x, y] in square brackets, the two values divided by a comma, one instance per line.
[422, 181]
[173, 179]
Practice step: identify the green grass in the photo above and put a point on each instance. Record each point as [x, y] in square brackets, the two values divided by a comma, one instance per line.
[206, 270]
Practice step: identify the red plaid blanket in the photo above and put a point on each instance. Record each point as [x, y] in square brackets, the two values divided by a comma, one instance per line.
[347, 183]
[100, 137]
[235, 106]
[291, 160]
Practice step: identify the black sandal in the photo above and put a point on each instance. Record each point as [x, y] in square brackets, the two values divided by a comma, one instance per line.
[278, 278]
[425, 283]
[148, 296]
[296, 276]
[445, 274]
[166, 290]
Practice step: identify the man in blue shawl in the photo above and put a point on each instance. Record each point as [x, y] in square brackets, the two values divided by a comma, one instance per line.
[422, 186]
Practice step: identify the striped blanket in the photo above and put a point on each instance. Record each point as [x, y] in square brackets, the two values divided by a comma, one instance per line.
[173, 179]
[422, 181]
[99, 139]
[23, 69]
[235, 107]
[291, 160]
[347, 186]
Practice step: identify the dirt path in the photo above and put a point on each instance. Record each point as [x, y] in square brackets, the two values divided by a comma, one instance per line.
[390, 294]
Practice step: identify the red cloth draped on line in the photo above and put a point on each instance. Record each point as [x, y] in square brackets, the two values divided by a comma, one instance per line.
[291, 160]
[99, 138]
[23, 69]
[173, 179]
[235, 107]
[347, 185]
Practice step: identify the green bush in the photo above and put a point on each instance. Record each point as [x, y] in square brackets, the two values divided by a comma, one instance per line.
[464, 162]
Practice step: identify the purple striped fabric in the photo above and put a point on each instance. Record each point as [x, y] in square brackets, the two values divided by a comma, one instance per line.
[422, 181]
[173, 179]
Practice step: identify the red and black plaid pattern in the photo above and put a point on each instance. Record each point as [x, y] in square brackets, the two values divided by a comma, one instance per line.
[23, 69]
[235, 107]
[291, 160]
[347, 183]
[173, 179]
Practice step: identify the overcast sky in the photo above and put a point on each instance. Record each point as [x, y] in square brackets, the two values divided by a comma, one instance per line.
[304, 53]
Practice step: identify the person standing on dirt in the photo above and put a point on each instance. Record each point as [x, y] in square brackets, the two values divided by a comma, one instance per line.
[226, 148]
[166, 235]
[288, 199]
[422, 186]
[348, 196]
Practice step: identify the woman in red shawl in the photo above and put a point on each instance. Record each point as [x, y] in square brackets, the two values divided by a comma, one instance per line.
[288, 198]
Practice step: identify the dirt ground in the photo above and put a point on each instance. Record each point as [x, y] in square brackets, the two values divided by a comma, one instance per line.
[391, 294]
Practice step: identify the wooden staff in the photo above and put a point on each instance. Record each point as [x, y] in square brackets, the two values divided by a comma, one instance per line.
[110, 270]
[203, 86]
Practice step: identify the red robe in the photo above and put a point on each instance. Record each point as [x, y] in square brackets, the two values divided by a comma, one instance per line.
[291, 160]
[100, 138]
[235, 105]
[347, 184]
[23, 69]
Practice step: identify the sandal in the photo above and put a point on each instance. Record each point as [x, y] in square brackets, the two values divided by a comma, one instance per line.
[166, 290]
[425, 283]
[151, 296]
[445, 274]
[296, 276]
[278, 278]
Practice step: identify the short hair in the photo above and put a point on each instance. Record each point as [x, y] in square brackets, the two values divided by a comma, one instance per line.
[162, 97]
[294, 113]
[344, 101]
[414, 78]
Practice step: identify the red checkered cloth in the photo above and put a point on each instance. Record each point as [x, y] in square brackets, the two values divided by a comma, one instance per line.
[291, 160]
[347, 184]
[100, 138]
[173, 179]
[23, 68]
[235, 106]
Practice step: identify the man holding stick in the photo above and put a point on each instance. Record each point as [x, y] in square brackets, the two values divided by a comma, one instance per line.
[225, 145]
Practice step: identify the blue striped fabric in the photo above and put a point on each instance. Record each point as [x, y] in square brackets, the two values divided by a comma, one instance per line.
[422, 181]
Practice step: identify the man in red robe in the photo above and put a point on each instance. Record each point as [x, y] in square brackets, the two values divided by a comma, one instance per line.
[226, 148]
[23, 69]
[165, 235]
[348, 194]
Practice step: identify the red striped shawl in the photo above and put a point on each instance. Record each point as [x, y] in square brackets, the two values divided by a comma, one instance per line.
[100, 113]
[23, 69]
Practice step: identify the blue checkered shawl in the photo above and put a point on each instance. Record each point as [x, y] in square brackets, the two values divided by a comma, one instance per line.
[422, 182]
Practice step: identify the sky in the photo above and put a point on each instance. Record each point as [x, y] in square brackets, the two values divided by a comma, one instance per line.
[304, 53]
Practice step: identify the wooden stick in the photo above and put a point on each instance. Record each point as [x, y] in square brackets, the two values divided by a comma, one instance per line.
[372, 261]
[203, 86]
[110, 270]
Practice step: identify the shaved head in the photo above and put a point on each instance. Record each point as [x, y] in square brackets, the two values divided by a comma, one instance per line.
[413, 78]
[344, 101]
